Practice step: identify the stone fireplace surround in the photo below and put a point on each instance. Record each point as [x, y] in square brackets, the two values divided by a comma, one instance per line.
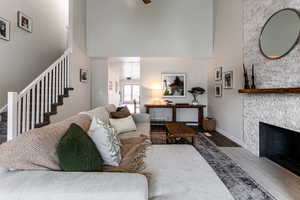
[278, 110]
[282, 110]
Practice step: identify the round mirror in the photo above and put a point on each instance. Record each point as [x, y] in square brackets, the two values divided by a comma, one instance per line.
[280, 34]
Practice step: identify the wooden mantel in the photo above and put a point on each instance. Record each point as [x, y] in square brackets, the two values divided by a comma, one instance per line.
[272, 90]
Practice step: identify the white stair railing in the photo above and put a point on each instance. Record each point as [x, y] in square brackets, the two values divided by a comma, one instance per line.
[27, 109]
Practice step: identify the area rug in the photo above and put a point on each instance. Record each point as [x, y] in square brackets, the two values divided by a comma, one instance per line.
[238, 182]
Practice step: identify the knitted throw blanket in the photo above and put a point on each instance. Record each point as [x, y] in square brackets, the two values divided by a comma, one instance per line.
[133, 154]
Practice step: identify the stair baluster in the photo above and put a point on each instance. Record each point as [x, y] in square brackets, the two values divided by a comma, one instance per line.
[42, 100]
[23, 113]
[50, 92]
[46, 93]
[63, 77]
[19, 104]
[33, 104]
[38, 96]
[56, 83]
[27, 110]
[59, 78]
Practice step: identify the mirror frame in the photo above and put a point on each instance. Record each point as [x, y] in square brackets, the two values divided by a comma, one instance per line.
[262, 31]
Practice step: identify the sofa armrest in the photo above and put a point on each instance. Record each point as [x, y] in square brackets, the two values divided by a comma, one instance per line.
[141, 118]
[49, 185]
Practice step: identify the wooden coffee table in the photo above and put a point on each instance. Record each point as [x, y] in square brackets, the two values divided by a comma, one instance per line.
[176, 131]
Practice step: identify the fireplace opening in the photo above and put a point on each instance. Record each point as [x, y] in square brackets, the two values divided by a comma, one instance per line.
[280, 145]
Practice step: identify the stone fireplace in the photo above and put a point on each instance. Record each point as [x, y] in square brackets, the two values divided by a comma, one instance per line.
[281, 146]
[280, 110]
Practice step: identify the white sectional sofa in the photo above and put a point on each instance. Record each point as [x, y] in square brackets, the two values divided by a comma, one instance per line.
[178, 172]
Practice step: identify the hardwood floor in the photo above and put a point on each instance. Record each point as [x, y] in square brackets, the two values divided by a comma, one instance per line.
[222, 141]
[281, 183]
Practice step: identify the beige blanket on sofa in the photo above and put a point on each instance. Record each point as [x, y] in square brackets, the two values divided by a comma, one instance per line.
[36, 149]
[133, 154]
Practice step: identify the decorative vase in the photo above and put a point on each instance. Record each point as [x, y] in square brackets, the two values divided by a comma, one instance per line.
[253, 86]
[195, 100]
[246, 85]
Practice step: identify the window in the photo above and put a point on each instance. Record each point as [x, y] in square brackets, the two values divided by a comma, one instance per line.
[131, 93]
[131, 71]
[131, 97]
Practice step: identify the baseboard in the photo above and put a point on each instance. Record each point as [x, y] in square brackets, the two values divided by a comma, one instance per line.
[235, 139]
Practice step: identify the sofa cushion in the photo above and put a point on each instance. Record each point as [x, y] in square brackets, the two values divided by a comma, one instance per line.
[107, 142]
[180, 172]
[77, 152]
[141, 129]
[99, 113]
[110, 108]
[36, 149]
[123, 125]
[48, 185]
[141, 118]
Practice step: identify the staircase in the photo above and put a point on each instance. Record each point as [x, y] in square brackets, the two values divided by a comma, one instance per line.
[33, 107]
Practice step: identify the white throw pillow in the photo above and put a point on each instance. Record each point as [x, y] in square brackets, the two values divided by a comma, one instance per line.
[99, 113]
[123, 125]
[107, 142]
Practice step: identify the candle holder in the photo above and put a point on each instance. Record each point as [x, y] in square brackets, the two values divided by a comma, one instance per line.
[253, 79]
[246, 85]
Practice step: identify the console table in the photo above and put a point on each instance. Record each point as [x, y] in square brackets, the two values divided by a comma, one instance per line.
[174, 108]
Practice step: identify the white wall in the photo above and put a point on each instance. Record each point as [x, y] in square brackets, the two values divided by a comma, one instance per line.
[99, 82]
[114, 75]
[26, 55]
[165, 28]
[80, 98]
[196, 74]
[228, 47]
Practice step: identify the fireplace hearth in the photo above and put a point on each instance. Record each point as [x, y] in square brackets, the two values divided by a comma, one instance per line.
[280, 145]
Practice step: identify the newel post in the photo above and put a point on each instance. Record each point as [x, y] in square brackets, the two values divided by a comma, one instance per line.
[12, 115]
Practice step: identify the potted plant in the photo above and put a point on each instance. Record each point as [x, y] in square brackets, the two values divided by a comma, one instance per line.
[196, 92]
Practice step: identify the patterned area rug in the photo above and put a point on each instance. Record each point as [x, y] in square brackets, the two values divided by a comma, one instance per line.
[238, 182]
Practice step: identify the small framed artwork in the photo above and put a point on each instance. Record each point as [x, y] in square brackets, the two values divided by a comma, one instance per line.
[84, 74]
[228, 80]
[218, 90]
[110, 85]
[218, 74]
[174, 85]
[117, 87]
[4, 29]
[24, 22]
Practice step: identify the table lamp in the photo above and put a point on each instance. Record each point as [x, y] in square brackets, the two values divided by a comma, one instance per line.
[156, 95]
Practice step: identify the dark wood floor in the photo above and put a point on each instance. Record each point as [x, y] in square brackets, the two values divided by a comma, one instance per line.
[158, 134]
[222, 141]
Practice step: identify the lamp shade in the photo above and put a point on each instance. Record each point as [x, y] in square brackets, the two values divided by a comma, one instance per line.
[156, 93]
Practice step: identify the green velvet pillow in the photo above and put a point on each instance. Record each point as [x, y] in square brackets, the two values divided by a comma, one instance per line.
[77, 152]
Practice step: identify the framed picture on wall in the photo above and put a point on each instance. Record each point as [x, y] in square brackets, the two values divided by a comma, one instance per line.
[4, 29]
[218, 74]
[24, 22]
[174, 84]
[218, 90]
[110, 85]
[84, 74]
[116, 86]
[228, 80]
